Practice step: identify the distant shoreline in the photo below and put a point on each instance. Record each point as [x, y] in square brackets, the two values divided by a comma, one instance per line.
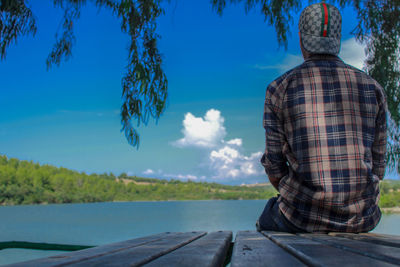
[395, 210]
[391, 210]
[30, 183]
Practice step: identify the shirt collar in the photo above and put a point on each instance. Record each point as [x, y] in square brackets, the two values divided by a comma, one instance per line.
[323, 57]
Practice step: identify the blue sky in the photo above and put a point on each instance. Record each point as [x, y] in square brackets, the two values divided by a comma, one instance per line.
[218, 69]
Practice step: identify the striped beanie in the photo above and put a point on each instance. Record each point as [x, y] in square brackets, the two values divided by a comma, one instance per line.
[320, 28]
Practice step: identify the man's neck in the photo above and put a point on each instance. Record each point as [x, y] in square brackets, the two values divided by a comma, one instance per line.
[321, 57]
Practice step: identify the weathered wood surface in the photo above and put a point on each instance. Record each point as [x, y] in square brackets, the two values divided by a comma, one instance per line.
[254, 249]
[315, 251]
[375, 251]
[387, 240]
[81, 255]
[140, 255]
[134, 252]
[250, 248]
[209, 250]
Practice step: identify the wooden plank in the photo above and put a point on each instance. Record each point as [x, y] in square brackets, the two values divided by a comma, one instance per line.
[383, 236]
[143, 254]
[41, 246]
[376, 251]
[209, 250]
[253, 249]
[72, 257]
[92, 253]
[387, 240]
[315, 253]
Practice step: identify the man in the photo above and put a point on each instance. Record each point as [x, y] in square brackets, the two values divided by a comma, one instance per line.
[325, 128]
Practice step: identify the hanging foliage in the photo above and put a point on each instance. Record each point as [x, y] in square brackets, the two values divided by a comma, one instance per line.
[144, 85]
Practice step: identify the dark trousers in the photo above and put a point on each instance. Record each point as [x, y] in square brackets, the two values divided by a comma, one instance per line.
[272, 219]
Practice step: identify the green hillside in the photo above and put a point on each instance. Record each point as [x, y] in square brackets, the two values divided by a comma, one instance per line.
[390, 193]
[23, 182]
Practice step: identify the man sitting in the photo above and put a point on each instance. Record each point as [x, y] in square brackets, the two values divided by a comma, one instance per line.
[325, 129]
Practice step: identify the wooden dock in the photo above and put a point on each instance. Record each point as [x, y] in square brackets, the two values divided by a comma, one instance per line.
[250, 248]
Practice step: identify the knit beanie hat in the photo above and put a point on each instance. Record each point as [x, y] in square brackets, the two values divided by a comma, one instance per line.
[320, 28]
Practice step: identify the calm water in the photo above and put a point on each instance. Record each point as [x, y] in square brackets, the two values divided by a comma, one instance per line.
[102, 223]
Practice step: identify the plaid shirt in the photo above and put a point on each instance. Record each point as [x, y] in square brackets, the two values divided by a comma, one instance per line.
[325, 128]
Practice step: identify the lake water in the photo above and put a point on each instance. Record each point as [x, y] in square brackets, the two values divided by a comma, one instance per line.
[102, 223]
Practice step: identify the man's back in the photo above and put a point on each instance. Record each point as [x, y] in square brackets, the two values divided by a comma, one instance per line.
[325, 127]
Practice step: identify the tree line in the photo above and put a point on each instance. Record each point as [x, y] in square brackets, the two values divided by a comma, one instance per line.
[23, 182]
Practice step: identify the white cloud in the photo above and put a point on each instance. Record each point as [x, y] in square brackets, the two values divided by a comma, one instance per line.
[251, 165]
[148, 172]
[160, 173]
[225, 154]
[225, 159]
[236, 141]
[228, 162]
[185, 177]
[199, 132]
[290, 61]
[352, 53]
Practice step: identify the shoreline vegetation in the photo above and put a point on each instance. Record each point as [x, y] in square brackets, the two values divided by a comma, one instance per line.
[23, 182]
[391, 210]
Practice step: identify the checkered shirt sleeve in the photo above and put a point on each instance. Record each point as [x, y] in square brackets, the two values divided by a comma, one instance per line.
[273, 159]
[380, 140]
